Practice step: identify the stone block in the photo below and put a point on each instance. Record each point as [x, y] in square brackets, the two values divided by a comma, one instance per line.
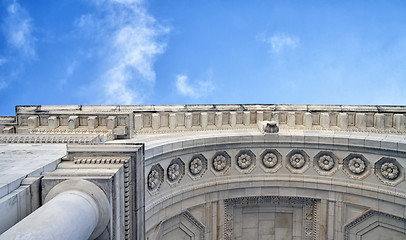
[307, 120]
[342, 121]
[379, 121]
[156, 121]
[324, 120]
[73, 122]
[111, 122]
[33, 122]
[172, 121]
[218, 119]
[53, 122]
[188, 120]
[260, 116]
[233, 119]
[399, 121]
[92, 122]
[291, 119]
[360, 120]
[9, 129]
[204, 119]
[246, 120]
[120, 131]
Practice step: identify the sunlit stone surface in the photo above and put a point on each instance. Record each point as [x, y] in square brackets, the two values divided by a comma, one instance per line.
[210, 171]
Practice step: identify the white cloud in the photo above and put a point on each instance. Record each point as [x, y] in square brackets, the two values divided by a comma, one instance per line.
[129, 39]
[201, 88]
[279, 42]
[17, 28]
[2, 61]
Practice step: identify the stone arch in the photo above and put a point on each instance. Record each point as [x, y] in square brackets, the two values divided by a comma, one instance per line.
[333, 191]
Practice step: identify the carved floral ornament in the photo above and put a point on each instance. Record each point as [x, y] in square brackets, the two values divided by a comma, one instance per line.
[244, 161]
[175, 171]
[297, 160]
[357, 165]
[221, 163]
[389, 171]
[270, 160]
[196, 166]
[326, 162]
[155, 177]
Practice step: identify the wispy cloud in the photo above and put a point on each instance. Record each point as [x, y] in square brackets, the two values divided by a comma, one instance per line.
[17, 28]
[3, 60]
[193, 90]
[129, 39]
[279, 42]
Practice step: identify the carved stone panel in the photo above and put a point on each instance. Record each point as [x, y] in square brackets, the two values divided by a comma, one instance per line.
[271, 218]
[374, 225]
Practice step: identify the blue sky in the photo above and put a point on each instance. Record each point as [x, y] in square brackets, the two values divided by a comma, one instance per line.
[203, 51]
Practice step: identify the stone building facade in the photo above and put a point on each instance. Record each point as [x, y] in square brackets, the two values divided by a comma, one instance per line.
[203, 172]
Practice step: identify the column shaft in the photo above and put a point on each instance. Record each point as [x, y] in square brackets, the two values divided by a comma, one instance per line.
[70, 215]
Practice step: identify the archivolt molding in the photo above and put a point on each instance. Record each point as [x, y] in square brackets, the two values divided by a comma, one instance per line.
[326, 163]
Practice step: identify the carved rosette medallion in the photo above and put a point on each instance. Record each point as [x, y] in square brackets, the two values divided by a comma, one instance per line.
[221, 162]
[245, 161]
[389, 171]
[197, 166]
[297, 161]
[271, 160]
[325, 163]
[175, 171]
[155, 178]
[356, 166]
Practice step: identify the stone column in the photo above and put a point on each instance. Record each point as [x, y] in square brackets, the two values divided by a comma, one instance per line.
[74, 209]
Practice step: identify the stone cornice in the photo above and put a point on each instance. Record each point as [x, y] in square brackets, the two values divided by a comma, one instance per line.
[130, 120]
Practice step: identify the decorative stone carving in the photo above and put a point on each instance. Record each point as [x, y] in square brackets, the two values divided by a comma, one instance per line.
[175, 171]
[271, 160]
[389, 171]
[356, 166]
[185, 225]
[221, 163]
[325, 163]
[197, 166]
[155, 178]
[371, 222]
[245, 161]
[310, 209]
[297, 161]
[268, 127]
